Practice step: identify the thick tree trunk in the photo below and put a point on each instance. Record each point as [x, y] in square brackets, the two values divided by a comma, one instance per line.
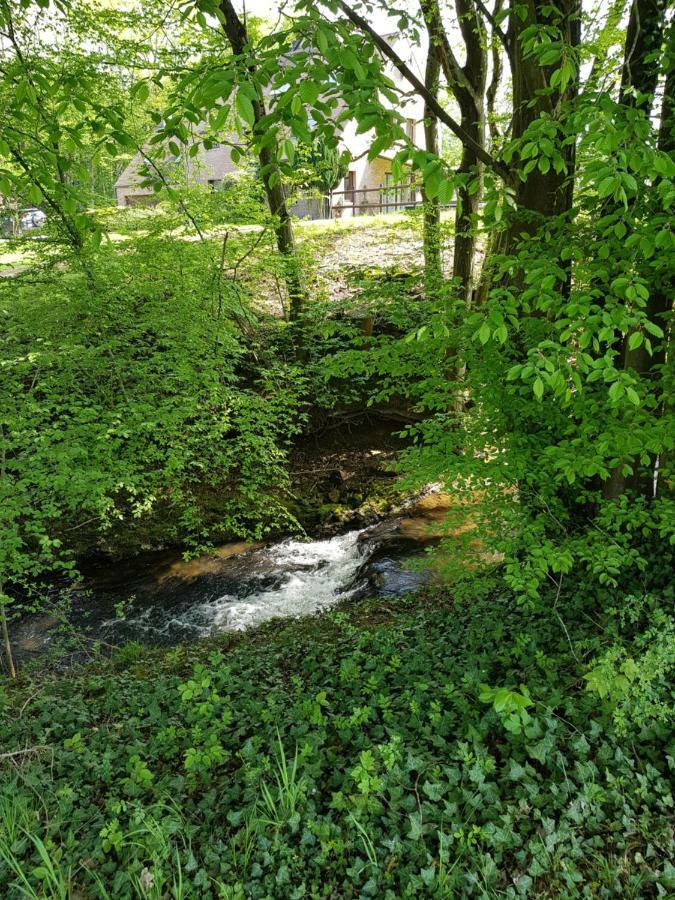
[237, 36]
[433, 269]
[542, 194]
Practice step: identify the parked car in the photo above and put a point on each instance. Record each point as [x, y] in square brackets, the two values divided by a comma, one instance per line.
[31, 218]
[14, 222]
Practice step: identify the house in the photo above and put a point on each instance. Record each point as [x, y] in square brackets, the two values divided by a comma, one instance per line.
[208, 167]
[368, 185]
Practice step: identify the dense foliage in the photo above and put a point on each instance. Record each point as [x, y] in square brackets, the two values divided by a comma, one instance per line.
[160, 414]
[425, 749]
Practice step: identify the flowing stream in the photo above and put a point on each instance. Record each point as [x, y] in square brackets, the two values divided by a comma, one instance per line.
[231, 591]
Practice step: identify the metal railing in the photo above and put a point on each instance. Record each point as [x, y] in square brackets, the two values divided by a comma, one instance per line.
[369, 201]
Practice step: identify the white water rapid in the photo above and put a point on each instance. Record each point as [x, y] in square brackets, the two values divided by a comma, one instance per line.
[289, 579]
[230, 593]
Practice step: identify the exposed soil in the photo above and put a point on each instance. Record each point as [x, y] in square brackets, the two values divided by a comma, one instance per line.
[343, 476]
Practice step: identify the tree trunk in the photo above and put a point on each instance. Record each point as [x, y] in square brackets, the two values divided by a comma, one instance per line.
[542, 194]
[471, 100]
[644, 35]
[237, 36]
[496, 50]
[4, 630]
[6, 643]
[433, 269]
[467, 84]
[644, 38]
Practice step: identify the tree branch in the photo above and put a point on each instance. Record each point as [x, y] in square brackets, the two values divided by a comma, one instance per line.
[454, 126]
[494, 25]
[451, 68]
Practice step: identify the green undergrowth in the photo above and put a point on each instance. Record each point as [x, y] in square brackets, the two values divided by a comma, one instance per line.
[404, 747]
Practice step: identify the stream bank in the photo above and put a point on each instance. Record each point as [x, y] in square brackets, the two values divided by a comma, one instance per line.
[162, 599]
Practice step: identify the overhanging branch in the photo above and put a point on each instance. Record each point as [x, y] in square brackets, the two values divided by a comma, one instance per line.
[433, 104]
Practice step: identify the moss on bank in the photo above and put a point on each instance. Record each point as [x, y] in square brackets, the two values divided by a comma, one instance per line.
[349, 755]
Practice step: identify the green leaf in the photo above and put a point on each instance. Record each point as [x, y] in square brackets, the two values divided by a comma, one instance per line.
[432, 184]
[379, 144]
[445, 191]
[635, 340]
[288, 150]
[633, 396]
[309, 92]
[538, 388]
[321, 39]
[141, 91]
[653, 328]
[549, 57]
[616, 391]
[244, 107]
[484, 333]
[350, 61]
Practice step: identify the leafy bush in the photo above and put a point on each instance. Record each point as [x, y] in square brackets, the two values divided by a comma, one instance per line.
[636, 675]
[136, 407]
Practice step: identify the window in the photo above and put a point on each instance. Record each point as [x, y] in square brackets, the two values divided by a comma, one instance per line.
[350, 186]
[410, 129]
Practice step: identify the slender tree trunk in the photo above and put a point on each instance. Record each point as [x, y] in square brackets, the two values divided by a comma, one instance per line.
[471, 100]
[433, 269]
[496, 51]
[6, 643]
[467, 84]
[4, 630]
[644, 38]
[237, 36]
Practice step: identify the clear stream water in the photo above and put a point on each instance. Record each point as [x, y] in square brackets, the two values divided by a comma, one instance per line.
[288, 579]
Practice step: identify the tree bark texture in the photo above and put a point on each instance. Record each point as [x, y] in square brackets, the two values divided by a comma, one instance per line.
[237, 36]
[433, 268]
[467, 84]
[644, 39]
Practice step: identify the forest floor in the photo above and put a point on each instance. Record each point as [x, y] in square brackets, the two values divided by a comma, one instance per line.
[334, 249]
[356, 754]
